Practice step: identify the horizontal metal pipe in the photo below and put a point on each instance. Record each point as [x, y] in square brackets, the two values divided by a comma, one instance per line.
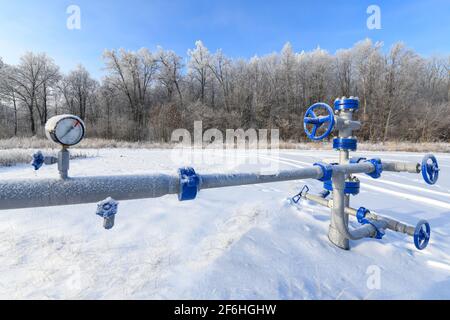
[364, 167]
[391, 224]
[208, 181]
[236, 179]
[411, 167]
[16, 194]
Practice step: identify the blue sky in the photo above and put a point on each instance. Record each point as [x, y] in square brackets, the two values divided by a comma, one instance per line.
[241, 28]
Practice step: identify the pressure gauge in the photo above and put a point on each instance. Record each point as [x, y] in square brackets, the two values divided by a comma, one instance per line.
[65, 129]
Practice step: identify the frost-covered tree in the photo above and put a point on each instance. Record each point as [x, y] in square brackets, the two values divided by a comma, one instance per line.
[145, 95]
[198, 66]
[132, 73]
[78, 90]
[32, 79]
[170, 72]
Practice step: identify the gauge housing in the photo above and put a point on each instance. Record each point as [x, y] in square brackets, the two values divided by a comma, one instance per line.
[66, 129]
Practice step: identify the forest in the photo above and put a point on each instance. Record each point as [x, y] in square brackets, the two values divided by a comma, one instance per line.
[144, 95]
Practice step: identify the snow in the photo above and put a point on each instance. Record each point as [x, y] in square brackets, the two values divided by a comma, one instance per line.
[246, 242]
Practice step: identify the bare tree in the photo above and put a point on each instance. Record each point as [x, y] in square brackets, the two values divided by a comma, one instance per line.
[8, 92]
[30, 79]
[170, 72]
[78, 88]
[145, 95]
[198, 66]
[220, 67]
[132, 74]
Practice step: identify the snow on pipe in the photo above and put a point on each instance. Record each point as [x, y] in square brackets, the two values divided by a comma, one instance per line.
[391, 224]
[16, 194]
[374, 224]
[68, 130]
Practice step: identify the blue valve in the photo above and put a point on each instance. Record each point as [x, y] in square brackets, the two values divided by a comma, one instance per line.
[430, 171]
[38, 160]
[318, 121]
[107, 209]
[422, 234]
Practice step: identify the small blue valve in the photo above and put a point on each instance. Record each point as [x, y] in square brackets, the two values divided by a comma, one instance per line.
[107, 209]
[38, 160]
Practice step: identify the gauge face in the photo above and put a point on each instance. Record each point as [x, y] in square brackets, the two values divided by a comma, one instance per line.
[67, 130]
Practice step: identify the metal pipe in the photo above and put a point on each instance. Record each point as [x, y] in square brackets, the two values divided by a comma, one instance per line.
[364, 167]
[15, 194]
[390, 223]
[63, 163]
[394, 166]
[339, 230]
[208, 181]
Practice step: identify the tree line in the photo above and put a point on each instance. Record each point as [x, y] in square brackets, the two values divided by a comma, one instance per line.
[145, 95]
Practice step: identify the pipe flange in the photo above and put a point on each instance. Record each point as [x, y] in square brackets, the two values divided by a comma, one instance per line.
[350, 187]
[361, 217]
[327, 170]
[376, 173]
[361, 214]
[349, 144]
[346, 104]
[189, 184]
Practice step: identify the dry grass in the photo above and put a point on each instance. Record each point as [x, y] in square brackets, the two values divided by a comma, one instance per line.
[94, 143]
[87, 143]
[442, 147]
[13, 157]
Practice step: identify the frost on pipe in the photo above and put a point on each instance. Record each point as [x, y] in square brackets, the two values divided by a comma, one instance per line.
[16, 194]
[208, 181]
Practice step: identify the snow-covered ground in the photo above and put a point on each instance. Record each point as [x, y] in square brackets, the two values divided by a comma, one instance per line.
[244, 242]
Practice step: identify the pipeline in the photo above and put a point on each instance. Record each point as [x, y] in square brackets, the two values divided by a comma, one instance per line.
[17, 194]
[389, 223]
[337, 178]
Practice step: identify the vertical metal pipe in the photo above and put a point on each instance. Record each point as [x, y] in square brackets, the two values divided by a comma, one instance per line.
[344, 159]
[63, 163]
[337, 225]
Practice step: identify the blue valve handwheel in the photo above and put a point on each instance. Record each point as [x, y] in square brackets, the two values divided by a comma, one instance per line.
[430, 171]
[317, 121]
[422, 234]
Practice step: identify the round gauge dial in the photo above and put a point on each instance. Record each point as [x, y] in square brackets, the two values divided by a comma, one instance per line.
[67, 130]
